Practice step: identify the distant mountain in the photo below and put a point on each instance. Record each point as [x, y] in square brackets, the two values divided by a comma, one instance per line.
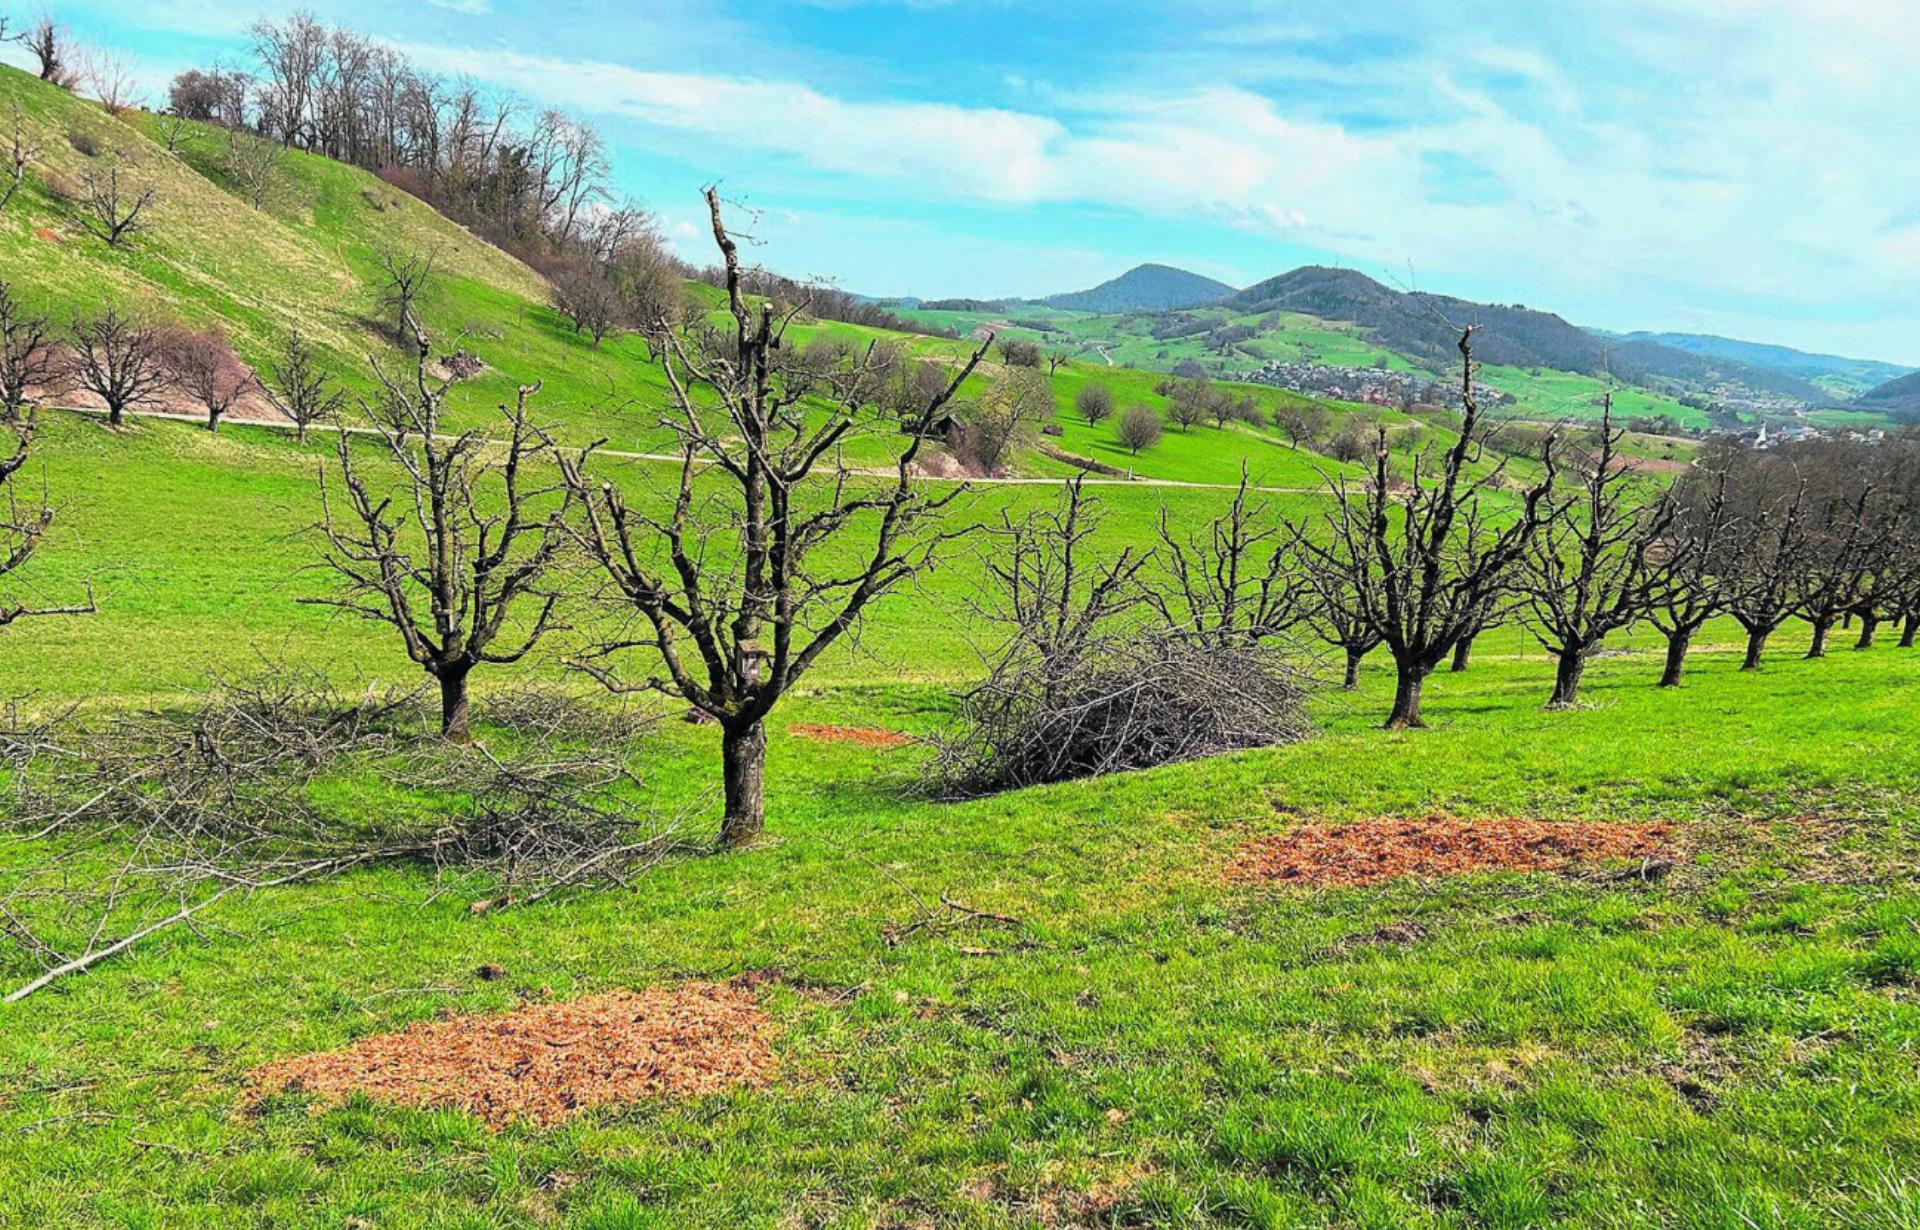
[1835, 373]
[1145, 288]
[1900, 397]
[1426, 328]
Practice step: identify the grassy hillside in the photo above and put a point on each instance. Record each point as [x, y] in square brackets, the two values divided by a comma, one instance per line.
[1160, 342]
[309, 258]
[1148, 1044]
[1136, 1039]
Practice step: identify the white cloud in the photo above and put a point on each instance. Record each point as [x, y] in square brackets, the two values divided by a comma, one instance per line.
[1740, 150]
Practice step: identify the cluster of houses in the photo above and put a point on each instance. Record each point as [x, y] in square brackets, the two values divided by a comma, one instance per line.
[1373, 386]
[1769, 436]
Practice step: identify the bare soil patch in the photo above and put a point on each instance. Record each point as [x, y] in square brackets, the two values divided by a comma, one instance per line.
[1368, 851]
[866, 736]
[543, 1063]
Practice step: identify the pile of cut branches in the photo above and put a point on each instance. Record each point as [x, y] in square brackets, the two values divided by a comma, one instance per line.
[145, 820]
[1099, 672]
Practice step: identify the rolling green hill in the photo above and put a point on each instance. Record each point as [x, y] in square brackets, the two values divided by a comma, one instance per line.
[1144, 288]
[1840, 376]
[309, 258]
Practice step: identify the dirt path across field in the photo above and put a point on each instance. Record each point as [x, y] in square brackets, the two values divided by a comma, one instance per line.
[252, 416]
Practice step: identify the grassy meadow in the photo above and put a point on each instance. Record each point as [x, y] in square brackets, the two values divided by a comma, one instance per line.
[1151, 1045]
[1146, 1043]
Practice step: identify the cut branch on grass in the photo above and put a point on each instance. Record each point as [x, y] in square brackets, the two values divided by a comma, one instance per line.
[145, 823]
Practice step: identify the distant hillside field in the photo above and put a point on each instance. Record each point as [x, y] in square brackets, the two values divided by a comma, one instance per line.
[1426, 326]
[309, 258]
[1838, 375]
[1900, 398]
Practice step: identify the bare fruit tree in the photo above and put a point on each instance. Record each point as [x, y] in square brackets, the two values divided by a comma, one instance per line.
[1846, 542]
[1697, 540]
[47, 40]
[1094, 402]
[733, 606]
[253, 165]
[299, 389]
[461, 549]
[1484, 620]
[1763, 567]
[112, 80]
[29, 362]
[114, 209]
[20, 151]
[122, 361]
[1231, 584]
[407, 278]
[1596, 566]
[1139, 428]
[23, 524]
[586, 296]
[1336, 615]
[1421, 563]
[206, 369]
[1003, 417]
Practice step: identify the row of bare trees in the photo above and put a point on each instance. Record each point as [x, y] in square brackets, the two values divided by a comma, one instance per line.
[1825, 531]
[130, 364]
[525, 179]
[724, 599]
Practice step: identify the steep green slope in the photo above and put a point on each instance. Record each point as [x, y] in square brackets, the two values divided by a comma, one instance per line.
[309, 258]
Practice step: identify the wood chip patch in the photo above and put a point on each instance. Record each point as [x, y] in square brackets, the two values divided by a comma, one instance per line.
[543, 1063]
[864, 735]
[1369, 851]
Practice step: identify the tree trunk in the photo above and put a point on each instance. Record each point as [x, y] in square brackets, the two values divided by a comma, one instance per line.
[1566, 680]
[116, 415]
[213, 422]
[1353, 669]
[1462, 653]
[1818, 649]
[1406, 700]
[455, 723]
[1678, 642]
[743, 754]
[1869, 624]
[1908, 629]
[1756, 645]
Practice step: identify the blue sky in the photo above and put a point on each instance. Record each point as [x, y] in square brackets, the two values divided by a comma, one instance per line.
[1734, 166]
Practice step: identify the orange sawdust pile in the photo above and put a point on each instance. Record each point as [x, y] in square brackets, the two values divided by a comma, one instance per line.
[864, 735]
[1368, 851]
[545, 1062]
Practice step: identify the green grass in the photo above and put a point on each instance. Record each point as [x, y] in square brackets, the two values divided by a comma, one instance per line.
[1732, 1046]
[1128, 341]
